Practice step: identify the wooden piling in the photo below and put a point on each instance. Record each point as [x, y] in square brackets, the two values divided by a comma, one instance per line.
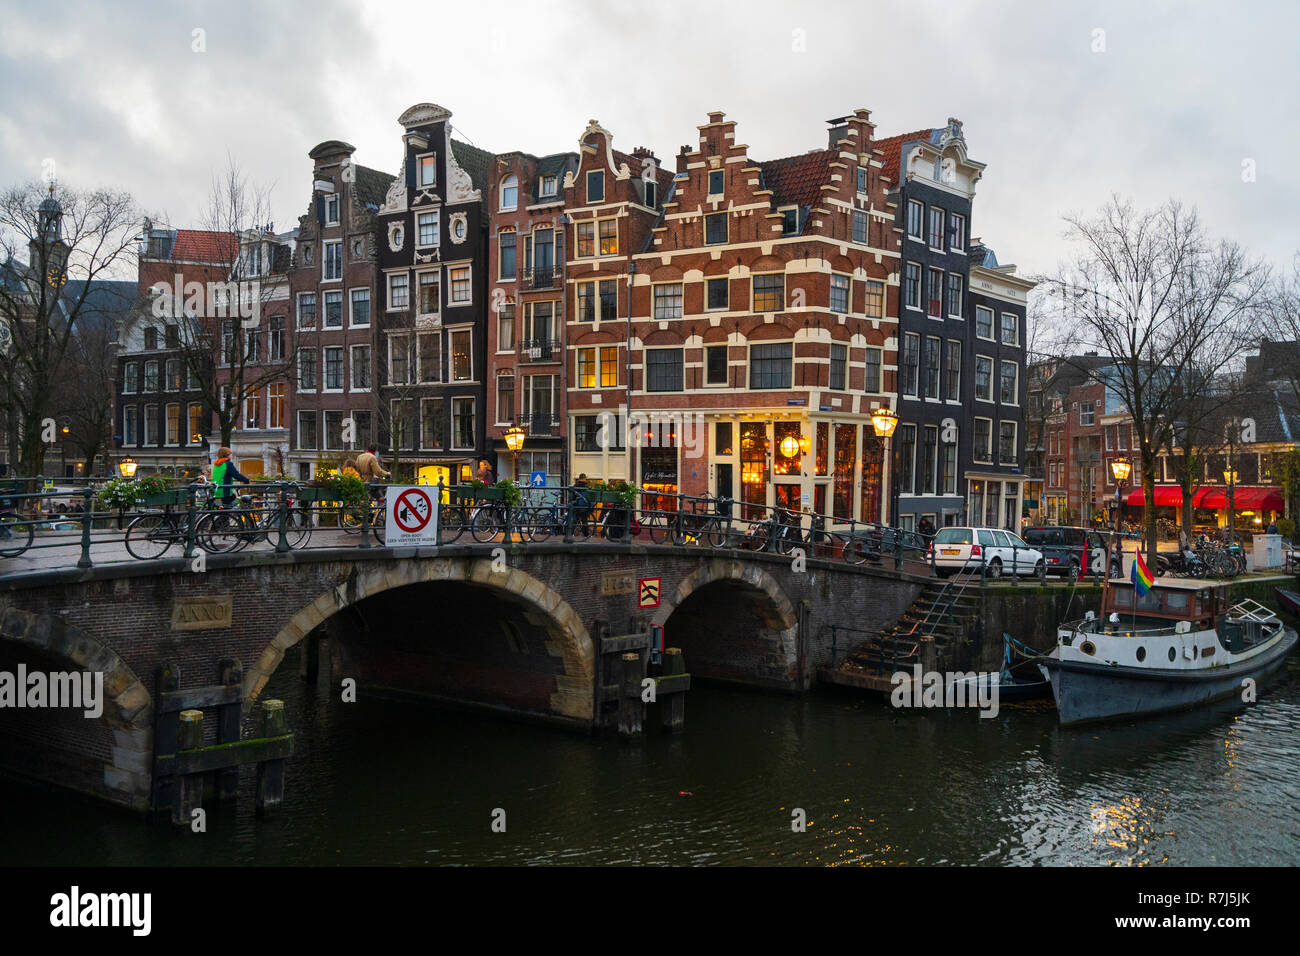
[672, 705]
[189, 793]
[227, 778]
[270, 773]
[928, 655]
[629, 702]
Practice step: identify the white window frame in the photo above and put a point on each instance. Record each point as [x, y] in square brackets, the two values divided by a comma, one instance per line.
[353, 364]
[451, 285]
[324, 375]
[1015, 387]
[352, 312]
[848, 293]
[974, 450]
[473, 405]
[587, 195]
[315, 310]
[315, 427]
[506, 183]
[298, 386]
[325, 260]
[654, 299]
[957, 217]
[389, 277]
[451, 356]
[548, 179]
[921, 219]
[425, 272]
[130, 383]
[1015, 441]
[1015, 326]
[420, 167]
[323, 315]
[880, 370]
[992, 385]
[920, 286]
[437, 226]
[942, 238]
[496, 397]
[993, 332]
[424, 444]
[332, 199]
[405, 337]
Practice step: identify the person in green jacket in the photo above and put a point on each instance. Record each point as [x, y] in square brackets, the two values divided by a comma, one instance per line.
[223, 471]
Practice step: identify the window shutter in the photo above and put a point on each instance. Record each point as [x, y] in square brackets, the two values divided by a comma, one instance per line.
[320, 210]
[410, 172]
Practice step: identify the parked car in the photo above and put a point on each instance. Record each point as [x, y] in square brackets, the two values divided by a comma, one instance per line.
[1063, 547]
[1000, 552]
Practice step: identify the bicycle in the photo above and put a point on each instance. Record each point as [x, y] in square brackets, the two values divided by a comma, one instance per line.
[150, 535]
[16, 535]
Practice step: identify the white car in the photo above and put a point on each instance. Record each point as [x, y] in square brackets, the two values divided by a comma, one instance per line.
[1000, 552]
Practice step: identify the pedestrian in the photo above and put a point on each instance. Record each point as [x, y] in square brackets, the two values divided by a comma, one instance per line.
[581, 503]
[1272, 527]
[368, 466]
[484, 473]
[926, 527]
[223, 471]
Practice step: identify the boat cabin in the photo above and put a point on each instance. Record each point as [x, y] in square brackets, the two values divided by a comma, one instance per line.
[1162, 606]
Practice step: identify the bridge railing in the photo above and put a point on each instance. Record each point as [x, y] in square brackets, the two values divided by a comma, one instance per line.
[89, 521]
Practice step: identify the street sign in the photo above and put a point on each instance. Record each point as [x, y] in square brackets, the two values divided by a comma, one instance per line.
[647, 590]
[538, 479]
[411, 519]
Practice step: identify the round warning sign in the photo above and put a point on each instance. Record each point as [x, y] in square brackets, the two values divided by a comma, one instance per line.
[412, 510]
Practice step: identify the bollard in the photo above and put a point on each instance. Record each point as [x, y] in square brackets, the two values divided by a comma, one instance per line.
[672, 706]
[282, 520]
[227, 778]
[189, 794]
[87, 517]
[928, 654]
[629, 701]
[270, 773]
[438, 526]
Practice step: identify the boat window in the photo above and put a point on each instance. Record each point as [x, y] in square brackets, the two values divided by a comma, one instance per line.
[1141, 654]
[1121, 597]
[1176, 600]
[953, 536]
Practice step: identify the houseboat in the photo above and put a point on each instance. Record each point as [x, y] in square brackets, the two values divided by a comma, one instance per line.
[1176, 646]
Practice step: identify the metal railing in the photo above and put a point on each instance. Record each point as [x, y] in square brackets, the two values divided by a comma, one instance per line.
[540, 350]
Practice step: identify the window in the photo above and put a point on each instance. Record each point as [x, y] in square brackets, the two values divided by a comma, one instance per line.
[307, 369]
[541, 400]
[862, 179]
[426, 229]
[717, 182]
[505, 399]
[130, 377]
[839, 367]
[333, 310]
[506, 328]
[875, 299]
[871, 382]
[151, 376]
[275, 340]
[332, 210]
[948, 467]
[597, 300]
[715, 228]
[956, 232]
[429, 355]
[586, 232]
[333, 264]
[173, 337]
[932, 348]
[668, 300]
[399, 291]
[771, 366]
[608, 229]
[982, 451]
[663, 368]
[399, 360]
[929, 445]
[191, 378]
[1007, 443]
[333, 429]
[307, 430]
[173, 424]
[306, 253]
[428, 297]
[912, 285]
[609, 367]
[548, 185]
[151, 424]
[360, 368]
[859, 227]
[510, 193]
[934, 301]
[173, 368]
[306, 310]
[540, 328]
[954, 295]
[789, 222]
[715, 365]
[275, 405]
[333, 369]
[839, 293]
[462, 362]
[769, 292]
[426, 170]
[716, 294]
[361, 435]
[915, 218]
[1009, 394]
[433, 423]
[984, 322]
[506, 259]
[462, 423]
[129, 436]
[595, 186]
[1086, 413]
[253, 410]
[586, 368]
[197, 426]
[911, 362]
[936, 228]
[1010, 329]
[953, 378]
[984, 378]
[906, 459]
[150, 340]
[461, 293]
[252, 345]
[403, 424]
[360, 307]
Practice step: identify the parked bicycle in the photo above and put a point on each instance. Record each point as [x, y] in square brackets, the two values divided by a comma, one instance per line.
[150, 535]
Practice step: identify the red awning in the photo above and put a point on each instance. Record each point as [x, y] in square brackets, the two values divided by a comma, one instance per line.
[1243, 499]
[1167, 496]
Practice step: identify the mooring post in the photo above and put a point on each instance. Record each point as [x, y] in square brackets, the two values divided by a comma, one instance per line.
[672, 706]
[629, 702]
[928, 654]
[270, 773]
[227, 778]
[189, 794]
[163, 785]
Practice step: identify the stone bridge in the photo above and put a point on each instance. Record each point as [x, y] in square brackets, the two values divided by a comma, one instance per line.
[511, 629]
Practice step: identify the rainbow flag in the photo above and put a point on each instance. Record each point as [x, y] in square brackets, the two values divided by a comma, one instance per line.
[1140, 576]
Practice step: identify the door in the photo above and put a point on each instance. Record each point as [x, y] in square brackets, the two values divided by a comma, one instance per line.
[725, 487]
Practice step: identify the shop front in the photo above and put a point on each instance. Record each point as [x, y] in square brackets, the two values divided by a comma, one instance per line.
[994, 501]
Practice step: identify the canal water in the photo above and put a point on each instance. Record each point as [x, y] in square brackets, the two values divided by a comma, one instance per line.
[396, 782]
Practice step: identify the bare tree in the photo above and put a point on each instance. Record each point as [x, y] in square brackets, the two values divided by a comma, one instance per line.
[86, 385]
[1151, 291]
[68, 235]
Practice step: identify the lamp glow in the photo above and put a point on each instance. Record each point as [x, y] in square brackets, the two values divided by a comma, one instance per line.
[884, 421]
[1120, 469]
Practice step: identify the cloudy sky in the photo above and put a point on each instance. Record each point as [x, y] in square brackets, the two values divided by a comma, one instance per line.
[1065, 102]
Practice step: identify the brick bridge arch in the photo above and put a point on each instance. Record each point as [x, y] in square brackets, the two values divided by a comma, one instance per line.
[574, 688]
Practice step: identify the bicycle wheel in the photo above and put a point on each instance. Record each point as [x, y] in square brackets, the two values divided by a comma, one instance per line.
[297, 529]
[486, 524]
[713, 533]
[218, 532]
[148, 536]
[541, 523]
[19, 538]
[584, 521]
[855, 550]
[451, 523]
[350, 518]
[657, 525]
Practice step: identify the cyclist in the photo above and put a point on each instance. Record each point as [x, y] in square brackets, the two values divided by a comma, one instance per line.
[223, 470]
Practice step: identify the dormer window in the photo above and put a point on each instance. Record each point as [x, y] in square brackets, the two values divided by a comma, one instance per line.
[332, 210]
[862, 180]
[789, 221]
[426, 173]
[547, 186]
[595, 186]
[650, 192]
[509, 193]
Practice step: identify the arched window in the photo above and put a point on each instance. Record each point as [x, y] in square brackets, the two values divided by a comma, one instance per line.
[510, 192]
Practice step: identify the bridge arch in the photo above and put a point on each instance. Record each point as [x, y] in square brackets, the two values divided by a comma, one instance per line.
[734, 621]
[573, 695]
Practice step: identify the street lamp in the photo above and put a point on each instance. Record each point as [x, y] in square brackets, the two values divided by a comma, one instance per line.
[127, 466]
[790, 446]
[884, 421]
[1230, 479]
[1120, 469]
[515, 441]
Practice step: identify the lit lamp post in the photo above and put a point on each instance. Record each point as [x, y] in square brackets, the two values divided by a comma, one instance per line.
[884, 421]
[515, 441]
[1230, 479]
[1120, 469]
[127, 467]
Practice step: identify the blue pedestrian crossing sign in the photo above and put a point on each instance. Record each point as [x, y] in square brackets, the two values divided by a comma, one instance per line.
[538, 479]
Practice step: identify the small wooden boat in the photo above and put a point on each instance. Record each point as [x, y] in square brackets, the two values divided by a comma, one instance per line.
[1031, 681]
[1289, 600]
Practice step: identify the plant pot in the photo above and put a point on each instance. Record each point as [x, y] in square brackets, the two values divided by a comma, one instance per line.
[310, 493]
[166, 499]
[481, 494]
